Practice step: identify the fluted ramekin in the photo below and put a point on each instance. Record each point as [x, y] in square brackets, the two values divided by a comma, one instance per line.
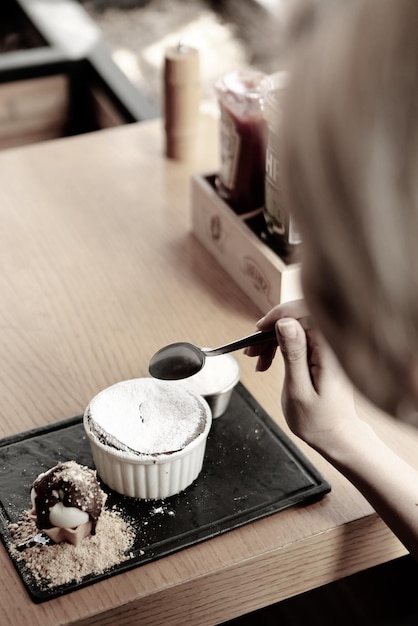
[148, 476]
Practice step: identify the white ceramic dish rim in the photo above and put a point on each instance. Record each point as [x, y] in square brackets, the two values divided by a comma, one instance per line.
[147, 459]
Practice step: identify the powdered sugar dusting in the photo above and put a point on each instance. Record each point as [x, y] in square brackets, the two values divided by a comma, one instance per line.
[146, 416]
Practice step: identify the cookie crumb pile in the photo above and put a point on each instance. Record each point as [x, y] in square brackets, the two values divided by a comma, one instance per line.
[58, 564]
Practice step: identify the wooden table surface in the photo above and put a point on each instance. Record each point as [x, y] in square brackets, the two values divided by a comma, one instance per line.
[98, 269]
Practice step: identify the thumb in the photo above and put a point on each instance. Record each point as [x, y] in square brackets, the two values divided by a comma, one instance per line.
[293, 345]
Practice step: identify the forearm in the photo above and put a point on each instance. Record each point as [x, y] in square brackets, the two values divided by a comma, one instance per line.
[318, 404]
[385, 480]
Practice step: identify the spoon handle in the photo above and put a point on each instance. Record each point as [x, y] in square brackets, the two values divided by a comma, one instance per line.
[251, 340]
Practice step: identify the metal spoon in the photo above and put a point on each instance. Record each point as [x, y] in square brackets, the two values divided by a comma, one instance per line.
[38, 540]
[182, 359]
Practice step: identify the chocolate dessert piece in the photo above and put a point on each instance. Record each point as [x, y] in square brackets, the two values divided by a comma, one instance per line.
[67, 496]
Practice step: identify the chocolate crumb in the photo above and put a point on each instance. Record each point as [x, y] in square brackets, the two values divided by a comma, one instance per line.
[62, 563]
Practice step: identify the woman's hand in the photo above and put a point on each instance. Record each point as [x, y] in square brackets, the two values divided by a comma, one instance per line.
[265, 352]
[318, 404]
[317, 399]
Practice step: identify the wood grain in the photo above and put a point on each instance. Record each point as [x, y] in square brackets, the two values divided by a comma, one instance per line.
[98, 269]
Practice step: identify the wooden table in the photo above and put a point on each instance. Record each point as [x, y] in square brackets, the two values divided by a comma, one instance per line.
[98, 269]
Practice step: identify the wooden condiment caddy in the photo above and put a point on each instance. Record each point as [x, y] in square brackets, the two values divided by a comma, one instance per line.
[236, 243]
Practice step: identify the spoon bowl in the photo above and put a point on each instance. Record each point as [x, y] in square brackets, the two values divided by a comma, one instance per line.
[181, 360]
[176, 361]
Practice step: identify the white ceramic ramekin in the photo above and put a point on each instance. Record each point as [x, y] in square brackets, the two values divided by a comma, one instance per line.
[145, 476]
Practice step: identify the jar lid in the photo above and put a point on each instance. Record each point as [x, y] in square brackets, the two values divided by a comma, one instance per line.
[246, 82]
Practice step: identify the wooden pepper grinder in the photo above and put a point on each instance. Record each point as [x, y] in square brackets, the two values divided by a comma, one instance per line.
[182, 93]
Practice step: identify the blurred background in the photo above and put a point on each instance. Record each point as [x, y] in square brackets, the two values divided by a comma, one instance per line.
[228, 33]
[74, 66]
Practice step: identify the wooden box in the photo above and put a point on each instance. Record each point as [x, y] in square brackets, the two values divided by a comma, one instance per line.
[236, 243]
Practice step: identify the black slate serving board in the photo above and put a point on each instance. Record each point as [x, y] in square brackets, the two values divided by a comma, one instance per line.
[251, 470]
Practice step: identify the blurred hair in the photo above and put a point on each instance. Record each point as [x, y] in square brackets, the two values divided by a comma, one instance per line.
[350, 168]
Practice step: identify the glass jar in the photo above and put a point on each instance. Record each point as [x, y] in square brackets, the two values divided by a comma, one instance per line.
[282, 234]
[243, 134]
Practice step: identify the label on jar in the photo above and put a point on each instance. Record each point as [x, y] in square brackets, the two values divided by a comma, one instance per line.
[294, 235]
[274, 201]
[230, 147]
[278, 220]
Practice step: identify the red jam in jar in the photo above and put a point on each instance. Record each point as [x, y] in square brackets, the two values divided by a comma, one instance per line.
[240, 181]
